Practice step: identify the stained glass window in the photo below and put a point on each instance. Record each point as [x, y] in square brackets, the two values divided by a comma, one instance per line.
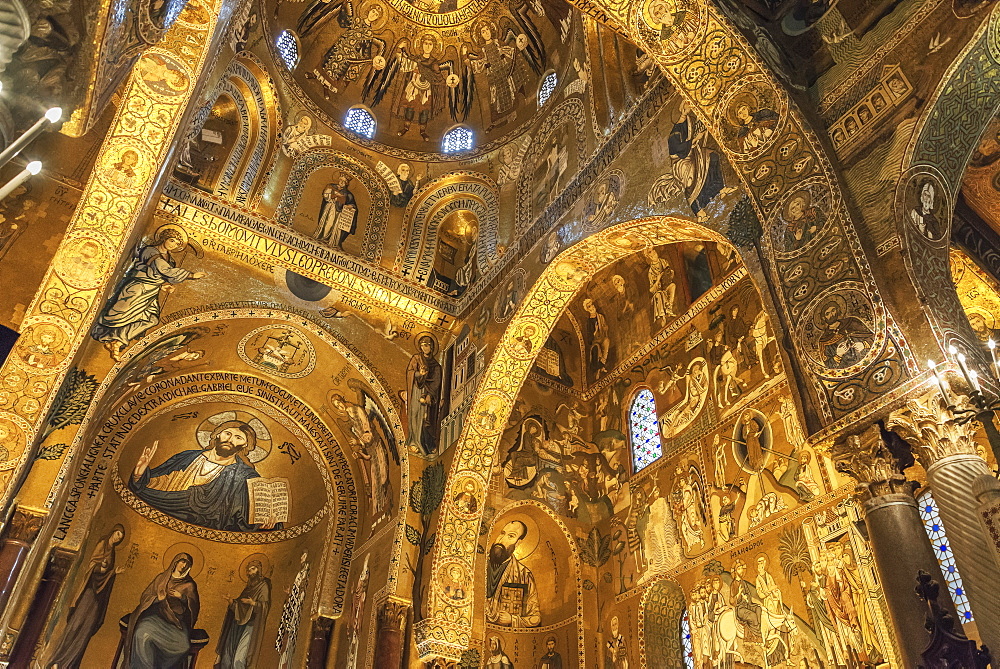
[686, 646]
[359, 120]
[644, 429]
[548, 88]
[288, 48]
[457, 139]
[945, 557]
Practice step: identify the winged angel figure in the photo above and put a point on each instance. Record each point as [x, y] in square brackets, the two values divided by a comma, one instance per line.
[372, 443]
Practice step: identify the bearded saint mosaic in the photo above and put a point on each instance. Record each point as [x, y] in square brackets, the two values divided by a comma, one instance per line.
[216, 484]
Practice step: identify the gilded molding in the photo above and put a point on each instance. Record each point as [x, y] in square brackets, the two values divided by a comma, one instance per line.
[112, 205]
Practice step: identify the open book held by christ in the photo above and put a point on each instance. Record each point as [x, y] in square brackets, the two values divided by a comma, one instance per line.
[268, 500]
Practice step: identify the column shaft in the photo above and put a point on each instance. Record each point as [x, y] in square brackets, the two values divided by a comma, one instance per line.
[20, 535]
[391, 635]
[319, 643]
[951, 480]
[901, 548]
[60, 561]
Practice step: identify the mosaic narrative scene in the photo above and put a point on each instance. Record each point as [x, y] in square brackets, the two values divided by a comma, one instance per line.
[499, 334]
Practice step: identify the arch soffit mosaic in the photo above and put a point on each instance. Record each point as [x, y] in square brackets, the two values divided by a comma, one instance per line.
[449, 627]
[106, 400]
[960, 110]
[108, 211]
[256, 165]
[781, 166]
[425, 211]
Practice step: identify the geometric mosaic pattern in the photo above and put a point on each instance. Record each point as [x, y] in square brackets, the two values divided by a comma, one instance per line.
[942, 551]
[644, 430]
[359, 120]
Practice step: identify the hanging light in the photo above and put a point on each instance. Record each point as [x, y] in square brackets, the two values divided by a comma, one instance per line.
[30, 170]
[51, 116]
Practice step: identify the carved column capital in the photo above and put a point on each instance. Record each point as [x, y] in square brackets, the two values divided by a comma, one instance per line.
[932, 430]
[867, 459]
[392, 615]
[25, 524]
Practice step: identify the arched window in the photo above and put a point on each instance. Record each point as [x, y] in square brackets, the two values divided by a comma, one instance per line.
[457, 139]
[360, 121]
[547, 88]
[644, 430]
[288, 48]
[686, 648]
[945, 557]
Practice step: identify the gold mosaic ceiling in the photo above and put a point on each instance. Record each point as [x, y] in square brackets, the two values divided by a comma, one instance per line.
[425, 66]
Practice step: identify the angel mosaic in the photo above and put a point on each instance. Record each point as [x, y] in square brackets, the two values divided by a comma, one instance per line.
[170, 355]
[372, 443]
[421, 77]
[354, 51]
[499, 64]
[134, 306]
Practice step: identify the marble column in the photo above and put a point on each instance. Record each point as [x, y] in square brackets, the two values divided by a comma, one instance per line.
[390, 635]
[899, 543]
[20, 534]
[60, 560]
[955, 472]
[319, 643]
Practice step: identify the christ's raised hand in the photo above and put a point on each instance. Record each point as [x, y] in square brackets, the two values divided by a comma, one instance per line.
[147, 456]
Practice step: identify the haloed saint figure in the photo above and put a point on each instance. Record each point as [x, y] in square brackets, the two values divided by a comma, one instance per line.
[159, 628]
[91, 605]
[206, 487]
[134, 307]
[243, 628]
[423, 400]
[511, 596]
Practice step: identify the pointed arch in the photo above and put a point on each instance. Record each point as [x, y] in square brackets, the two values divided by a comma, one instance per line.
[245, 172]
[119, 398]
[966, 99]
[449, 628]
[454, 191]
[662, 612]
[717, 71]
[318, 158]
